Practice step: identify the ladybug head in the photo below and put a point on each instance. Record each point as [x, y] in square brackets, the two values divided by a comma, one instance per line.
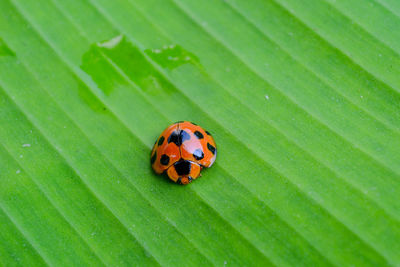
[183, 171]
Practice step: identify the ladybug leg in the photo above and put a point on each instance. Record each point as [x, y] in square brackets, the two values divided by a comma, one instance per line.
[185, 179]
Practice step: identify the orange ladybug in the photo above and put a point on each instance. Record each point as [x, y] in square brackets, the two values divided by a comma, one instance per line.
[182, 150]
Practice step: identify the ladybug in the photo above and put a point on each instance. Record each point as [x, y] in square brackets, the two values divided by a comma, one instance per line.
[182, 150]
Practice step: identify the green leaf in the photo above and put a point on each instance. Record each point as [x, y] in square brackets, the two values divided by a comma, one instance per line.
[303, 99]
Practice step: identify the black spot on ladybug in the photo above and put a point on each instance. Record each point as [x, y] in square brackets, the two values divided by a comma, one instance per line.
[211, 148]
[175, 138]
[207, 132]
[198, 154]
[164, 159]
[193, 123]
[153, 158]
[184, 136]
[161, 140]
[199, 134]
[178, 137]
[182, 167]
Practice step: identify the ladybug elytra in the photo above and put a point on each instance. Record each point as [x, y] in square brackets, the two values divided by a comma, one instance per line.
[182, 150]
